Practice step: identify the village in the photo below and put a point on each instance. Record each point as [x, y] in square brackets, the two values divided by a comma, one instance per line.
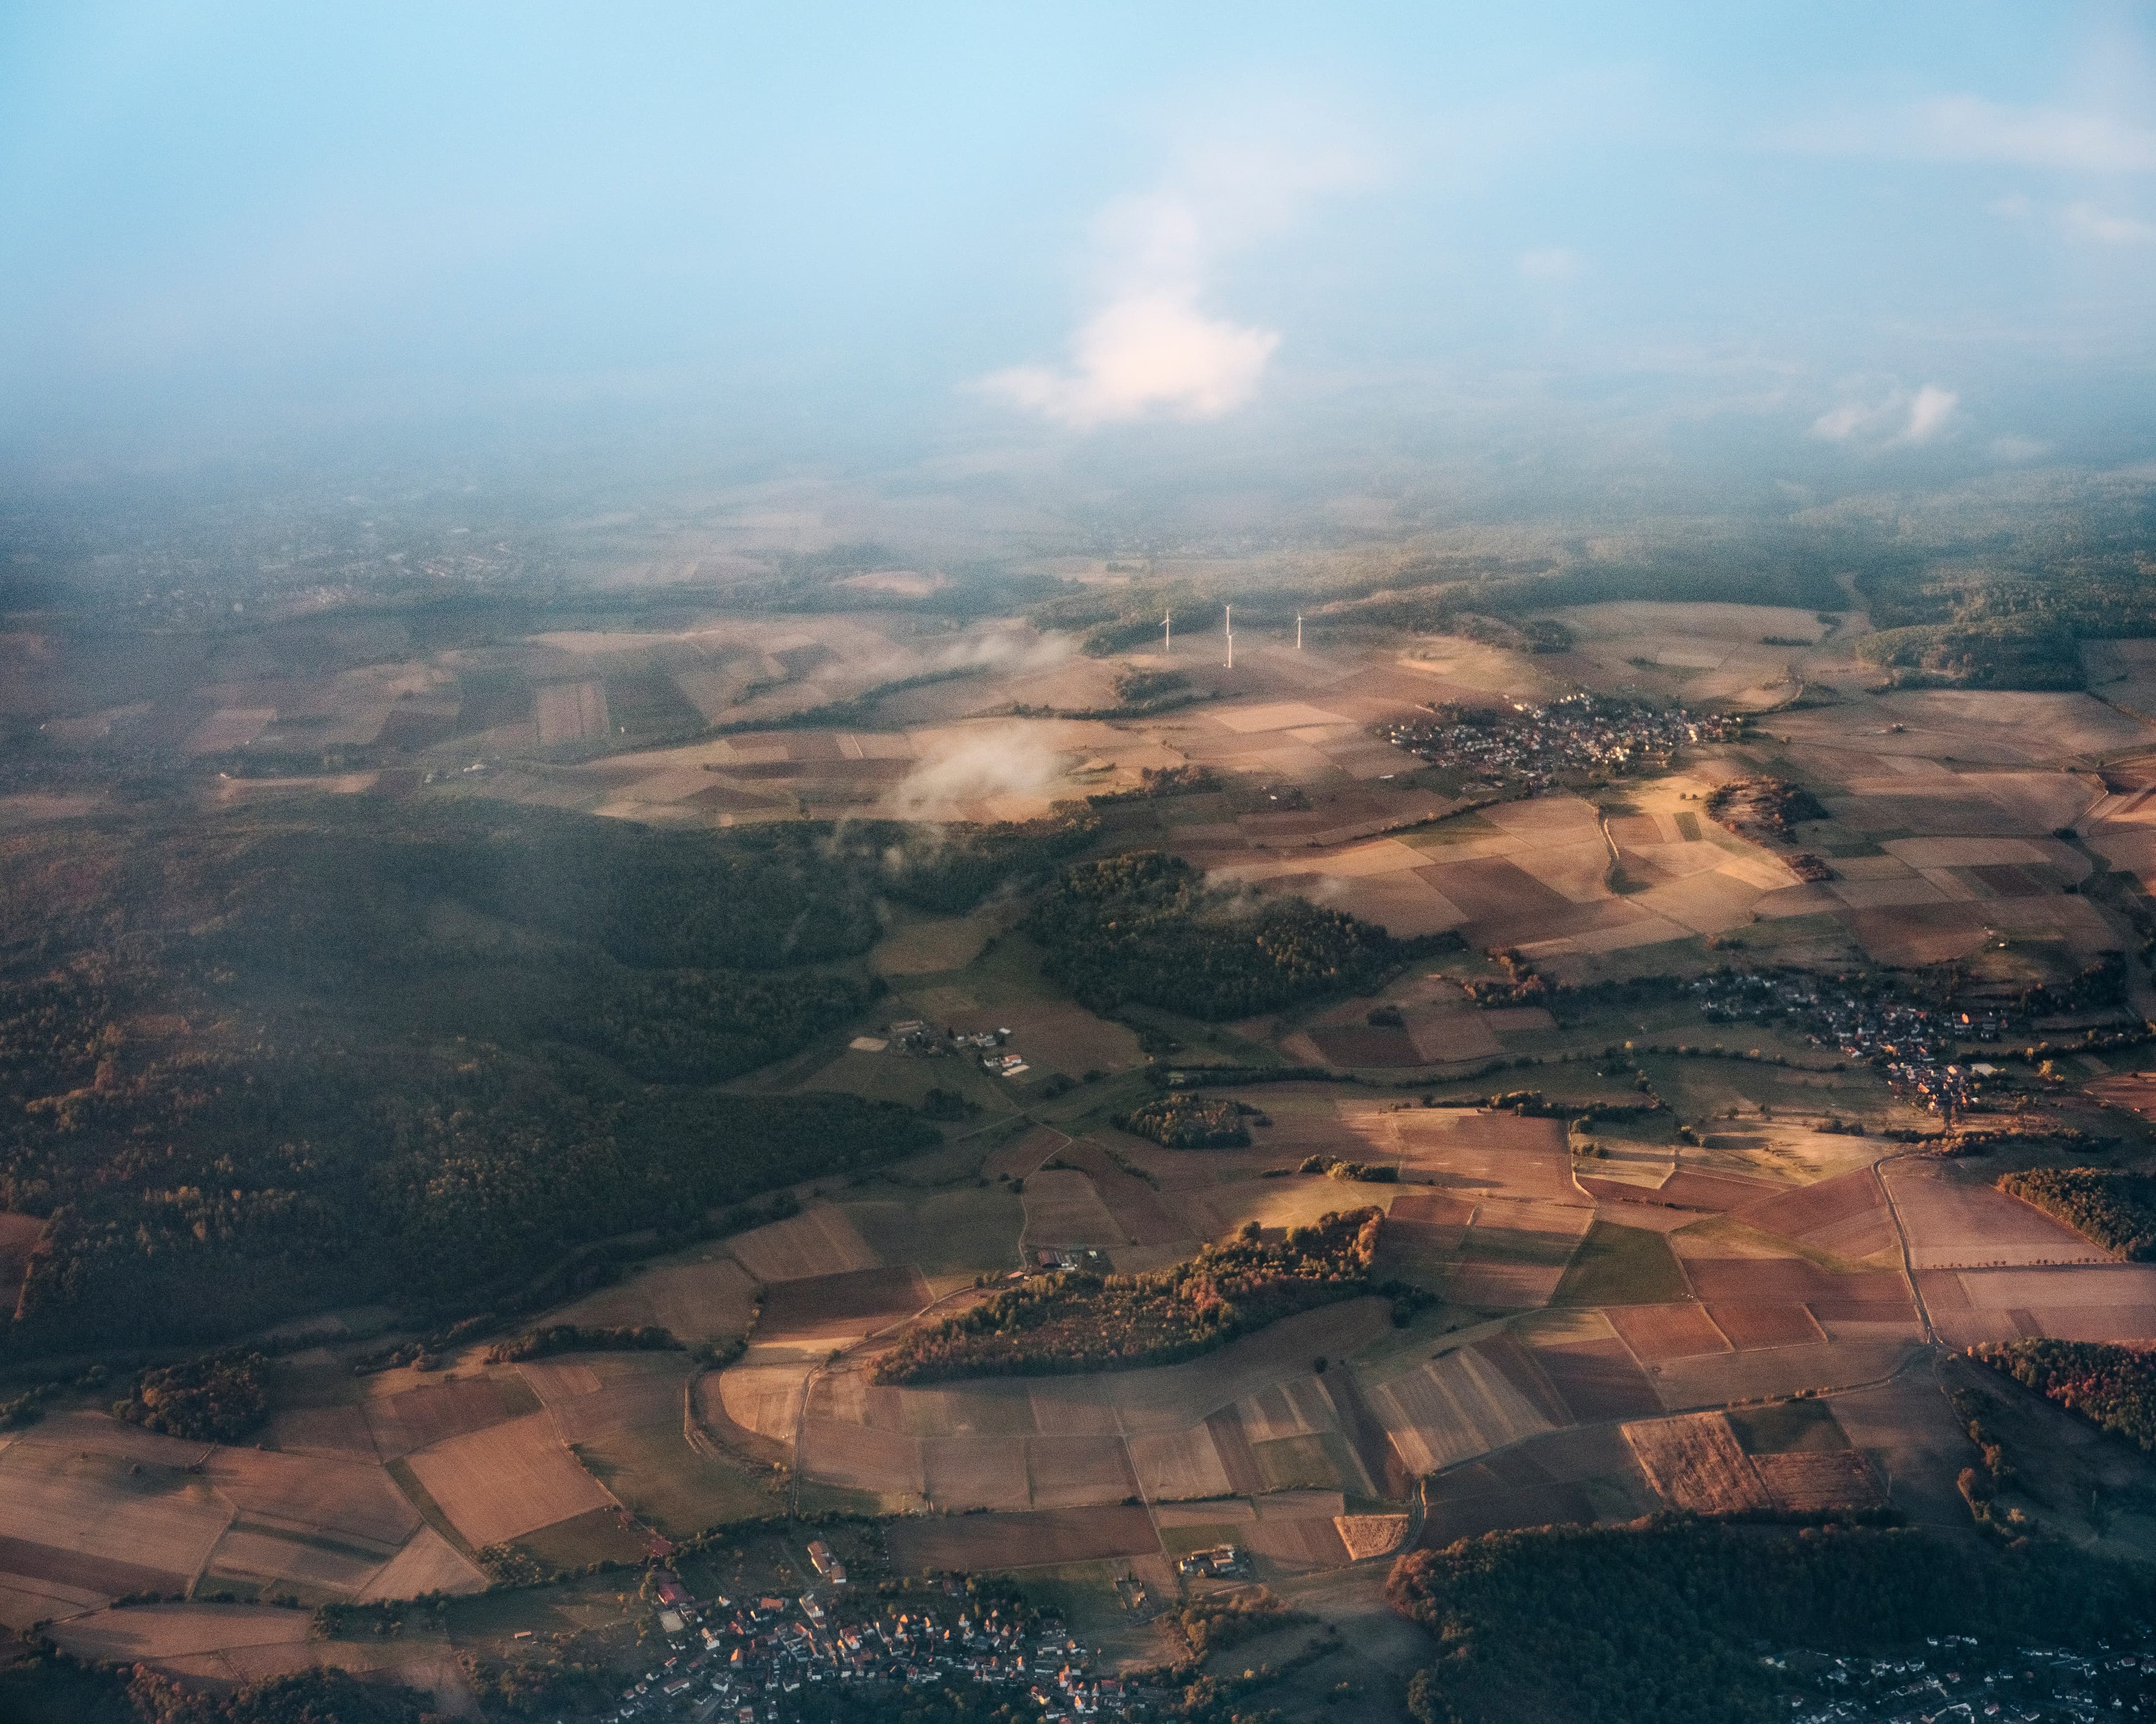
[755, 1660]
[1958, 1679]
[1917, 1047]
[1531, 746]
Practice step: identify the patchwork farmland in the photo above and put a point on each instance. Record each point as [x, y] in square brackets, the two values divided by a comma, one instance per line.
[1635, 1255]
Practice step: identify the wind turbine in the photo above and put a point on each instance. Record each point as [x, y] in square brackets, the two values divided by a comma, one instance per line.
[1167, 635]
[1298, 631]
[1227, 626]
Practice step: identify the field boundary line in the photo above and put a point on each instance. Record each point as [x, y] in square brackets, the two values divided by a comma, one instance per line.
[1901, 1239]
[837, 1354]
[231, 1519]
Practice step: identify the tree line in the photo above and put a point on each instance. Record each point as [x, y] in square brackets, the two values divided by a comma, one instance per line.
[2113, 1208]
[1056, 1324]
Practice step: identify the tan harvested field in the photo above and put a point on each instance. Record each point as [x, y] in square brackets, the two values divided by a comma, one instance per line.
[764, 1398]
[1368, 1535]
[24, 1602]
[1423, 1234]
[1033, 1540]
[1134, 1205]
[1845, 1215]
[1468, 1154]
[1453, 1408]
[1754, 1324]
[1023, 1153]
[512, 1478]
[680, 1490]
[1296, 1406]
[821, 1240]
[589, 1394]
[223, 1646]
[1657, 1332]
[1069, 1470]
[2133, 1090]
[1597, 1379]
[99, 1436]
[1692, 1187]
[2113, 1302]
[887, 1462]
[1720, 1378]
[944, 1233]
[1954, 1221]
[336, 1499]
[337, 1432]
[1516, 1253]
[427, 1563]
[569, 711]
[17, 1234]
[1882, 1294]
[276, 1561]
[1299, 1545]
[154, 1634]
[1180, 1464]
[1063, 1209]
[1227, 1518]
[707, 1296]
[340, 1433]
[1570, 1476]
[101, 1521]
[1695, 1463]
[933, 944]
[415, 1418]
[1211, 1211]
[2119, 1286]
[976, 1472]
[852, 1302]
[1239, 1460]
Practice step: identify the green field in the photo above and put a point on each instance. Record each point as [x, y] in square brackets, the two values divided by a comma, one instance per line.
[1621, 1265]
[658, 1477]
[958, 1232]
[1806, 1426]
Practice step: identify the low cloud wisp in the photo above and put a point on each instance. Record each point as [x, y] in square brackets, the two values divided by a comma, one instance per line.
[1006, 760]
[1900, 417]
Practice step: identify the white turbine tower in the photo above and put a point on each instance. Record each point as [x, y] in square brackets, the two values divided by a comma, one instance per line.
[1167, 635]
[1228, 628]
[1298, 631]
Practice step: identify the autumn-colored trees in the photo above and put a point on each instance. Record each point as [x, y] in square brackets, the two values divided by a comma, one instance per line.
[1056, 1325]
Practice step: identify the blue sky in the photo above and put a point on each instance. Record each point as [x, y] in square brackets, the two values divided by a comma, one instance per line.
[1824, 235]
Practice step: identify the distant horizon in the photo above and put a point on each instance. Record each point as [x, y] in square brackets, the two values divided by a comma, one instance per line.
[1841, 250]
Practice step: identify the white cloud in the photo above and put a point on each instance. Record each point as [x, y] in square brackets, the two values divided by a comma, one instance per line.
[1144, 352]
[2086, 221]
[1897, 416]
[1969, 129]
[1153, 348]
[1931, 409]
[1550, 263]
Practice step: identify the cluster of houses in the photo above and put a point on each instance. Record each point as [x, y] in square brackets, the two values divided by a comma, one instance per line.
[1533, 745]
[1960, 1681]
[918, 1038]
[752, 1661]
[1217, 1560]
[1916, 1046]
